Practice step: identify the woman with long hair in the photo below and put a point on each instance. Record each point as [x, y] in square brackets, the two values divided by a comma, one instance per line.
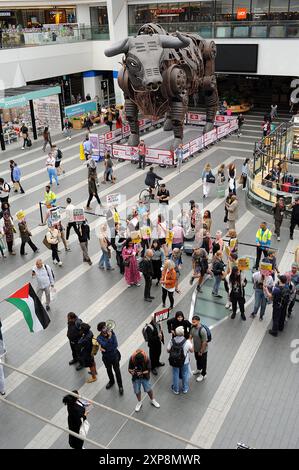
[168, 281]
[129, 253]
[232, 177]
[206, 185]
[76, 414]
[207, 220]
[245, 169]
[157, 260]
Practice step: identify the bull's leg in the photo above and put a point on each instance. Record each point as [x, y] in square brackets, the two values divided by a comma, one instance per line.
[132, 117]
[211, 101]
[177, 113]
[168, 123]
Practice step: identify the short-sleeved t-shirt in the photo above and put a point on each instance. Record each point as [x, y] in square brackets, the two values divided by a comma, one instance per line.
[146, 365]
[199, 336]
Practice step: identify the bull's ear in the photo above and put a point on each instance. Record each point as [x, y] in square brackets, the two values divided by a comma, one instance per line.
[172, 42]
[120, 47]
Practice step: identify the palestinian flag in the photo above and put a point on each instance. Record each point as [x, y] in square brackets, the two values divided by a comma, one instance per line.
[26, 300]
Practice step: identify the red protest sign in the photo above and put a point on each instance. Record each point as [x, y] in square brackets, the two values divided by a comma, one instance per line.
[162, 315]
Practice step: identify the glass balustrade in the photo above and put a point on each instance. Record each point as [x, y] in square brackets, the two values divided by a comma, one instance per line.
[27, 38]
[233, 29]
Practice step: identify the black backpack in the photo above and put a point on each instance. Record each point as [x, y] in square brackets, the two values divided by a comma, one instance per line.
[176, 354]
[285, 294]
[59, 154]
[145, 332]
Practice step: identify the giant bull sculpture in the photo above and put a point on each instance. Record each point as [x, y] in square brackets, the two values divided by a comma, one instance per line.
[159, 73]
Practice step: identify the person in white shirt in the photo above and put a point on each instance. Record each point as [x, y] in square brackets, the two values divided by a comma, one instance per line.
[69, 212]
[261, 283]
[50, 164]
[184, 370]
[45, 279]
[87, 145]
[4, 192]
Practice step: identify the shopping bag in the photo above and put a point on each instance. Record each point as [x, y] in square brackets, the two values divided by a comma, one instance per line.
[46, 243]
[53, 294]
[84, 428]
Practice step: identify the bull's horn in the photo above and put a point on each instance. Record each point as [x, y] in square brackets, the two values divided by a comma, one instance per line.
[120, 47]
[173, 42]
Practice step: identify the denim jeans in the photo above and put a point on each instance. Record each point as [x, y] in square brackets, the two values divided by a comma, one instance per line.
[184, 370]
[217, 283]
[260, 301]
[52, 174]
[104, 260]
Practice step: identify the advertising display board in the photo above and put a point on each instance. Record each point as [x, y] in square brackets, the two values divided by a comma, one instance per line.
[80, 108]
[47, 112]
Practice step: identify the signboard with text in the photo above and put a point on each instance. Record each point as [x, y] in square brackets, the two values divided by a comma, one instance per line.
[113, 199]
[162, 315]
[78, 215]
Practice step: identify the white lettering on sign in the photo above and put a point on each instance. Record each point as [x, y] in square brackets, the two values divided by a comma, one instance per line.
[162, 315]
[295, 94]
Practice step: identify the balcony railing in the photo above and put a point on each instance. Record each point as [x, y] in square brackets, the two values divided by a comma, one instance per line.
[12, 39]
[233, 29]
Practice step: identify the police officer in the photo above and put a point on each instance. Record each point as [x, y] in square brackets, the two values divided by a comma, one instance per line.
[280, 296]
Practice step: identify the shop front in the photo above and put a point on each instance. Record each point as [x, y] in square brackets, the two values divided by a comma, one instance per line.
[37, 17]
[35, 105]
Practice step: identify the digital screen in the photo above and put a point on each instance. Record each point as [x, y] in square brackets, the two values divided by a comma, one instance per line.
[237, 58]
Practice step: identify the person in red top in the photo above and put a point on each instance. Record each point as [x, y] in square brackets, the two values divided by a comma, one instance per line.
[141, 154]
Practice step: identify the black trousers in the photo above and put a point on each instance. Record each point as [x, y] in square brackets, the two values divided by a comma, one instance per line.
[292, 226]
[10, 246]
[259, 251]
[155, 353]
[244, 181]
[277, 223]
[141, 160]
[54, 249]
[115, 366]
[75, 350]
[291, 306]
[147, 287]
[235, 301]
[120, 262]
[201, 362]
[282, 317]
[30, 243]
[91, 197]
[276, 318]
[170, 296]
[68, 229]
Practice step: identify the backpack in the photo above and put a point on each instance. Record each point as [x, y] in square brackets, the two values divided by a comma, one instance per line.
[208, 331]
[95, 346]
[144, 331]
[285, 295]
[176, 354]
[141, 265]
[59, 154]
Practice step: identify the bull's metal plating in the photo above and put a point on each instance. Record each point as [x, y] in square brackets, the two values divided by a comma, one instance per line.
[159, 73]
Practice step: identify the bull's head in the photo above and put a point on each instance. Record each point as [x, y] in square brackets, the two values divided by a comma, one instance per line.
[143, 56]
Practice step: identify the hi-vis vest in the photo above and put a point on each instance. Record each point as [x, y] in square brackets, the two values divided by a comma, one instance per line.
[263, 237]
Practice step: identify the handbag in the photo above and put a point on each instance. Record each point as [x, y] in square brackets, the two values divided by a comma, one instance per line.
[210, 178]
[127, 262]
[46, 243]
[84, 428]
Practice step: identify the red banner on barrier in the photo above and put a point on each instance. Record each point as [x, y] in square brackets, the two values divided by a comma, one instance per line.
[196, 118]
[223, 130]
[124, 152]
[196, 145]
[113, 136]
[210, 137]
[186, 150]
[126, 131]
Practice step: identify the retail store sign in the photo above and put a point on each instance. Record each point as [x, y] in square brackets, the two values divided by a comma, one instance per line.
[13, 102]
[162, 315]
[80, 108]
[5, 13]
[241, 13]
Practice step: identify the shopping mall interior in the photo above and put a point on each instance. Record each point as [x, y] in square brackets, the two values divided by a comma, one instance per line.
[55, 73]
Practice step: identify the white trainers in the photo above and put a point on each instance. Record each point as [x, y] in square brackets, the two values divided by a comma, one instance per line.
[138, 406]
[200, 378]
[230, 307]
[196, 372]
[227, 305]
[55, 261]
[155, 403]
[278, 239]
[60, 263]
